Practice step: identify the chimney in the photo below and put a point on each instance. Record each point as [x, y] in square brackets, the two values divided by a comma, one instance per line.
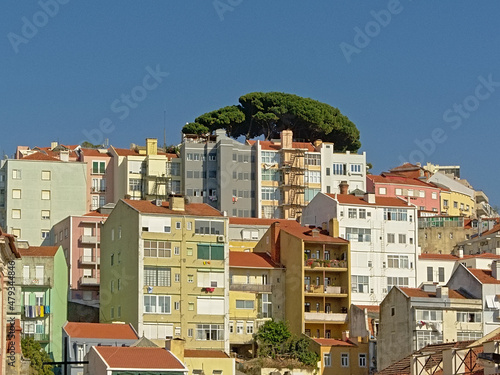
[275, 242]
[442, 291]
[315, 232]
[369, 198]
[495, 269]
[176, 202]
[343, 187]
[345, 335]
[176, 346]
[64, 155]
[286, 139]
[461, 252]
[151, 146]
[53, 145]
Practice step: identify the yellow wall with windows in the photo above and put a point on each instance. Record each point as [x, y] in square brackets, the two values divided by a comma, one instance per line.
[457, 204]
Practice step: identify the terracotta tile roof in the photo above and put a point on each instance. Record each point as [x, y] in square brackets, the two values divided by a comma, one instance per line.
[250, 260]
[258, 221]
[334, 342]
[495, 229]
[95, 152]
[416, 292]
[484, 276]
[129, 152]
[379, 201]
[200, 353]
[40, 156]
[138, 358]
[95, 213]
[306, 234]
[395, 179]
[406, 166]
[482, 255]
[191, 209]
[100, 331]
[271, 146]
[39, 251]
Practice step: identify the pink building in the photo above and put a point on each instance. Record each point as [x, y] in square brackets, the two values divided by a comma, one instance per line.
[424, 195]
[79, 237]
[99, 177]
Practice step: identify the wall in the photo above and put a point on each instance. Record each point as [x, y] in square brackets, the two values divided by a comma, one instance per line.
[208, 365]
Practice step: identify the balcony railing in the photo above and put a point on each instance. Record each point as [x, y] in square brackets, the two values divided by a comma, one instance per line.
[37, 336]
[325, 317]
[325, 290]
[88, 281]
[89, 260]
[97, 189]
[40, 281]
[324, 263]
[257, 288]
[89, 239]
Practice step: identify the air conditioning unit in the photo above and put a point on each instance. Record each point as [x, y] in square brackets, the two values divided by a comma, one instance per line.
[220, 238]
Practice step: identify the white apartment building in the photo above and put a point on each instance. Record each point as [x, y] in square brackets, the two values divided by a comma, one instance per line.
[383, 236]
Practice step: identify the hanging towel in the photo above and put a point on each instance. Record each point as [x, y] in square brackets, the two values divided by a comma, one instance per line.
[41, 311]
[47, 309]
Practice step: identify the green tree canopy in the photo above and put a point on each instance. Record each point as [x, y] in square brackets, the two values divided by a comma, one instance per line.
[32, 350]
[269, 113]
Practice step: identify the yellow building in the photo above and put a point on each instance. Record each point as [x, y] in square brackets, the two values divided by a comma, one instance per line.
[317, 282]
[455, 203]
[165, 269]
[342, 357]
[256, 294]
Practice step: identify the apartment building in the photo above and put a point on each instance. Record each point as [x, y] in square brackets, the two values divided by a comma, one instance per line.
[41, 291]
[411, 318]
[143, 172]
[40, 191]
[165, 269]
[219, 171]
[456, 198]
[100, 176]
[439, 234]
[486, 242]
[256, 294]
[382, 232]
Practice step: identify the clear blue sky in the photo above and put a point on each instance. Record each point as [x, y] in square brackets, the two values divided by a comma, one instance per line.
[412, 76]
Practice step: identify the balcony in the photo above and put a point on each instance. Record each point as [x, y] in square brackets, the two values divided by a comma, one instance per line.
[34, 281]
[34, 312]
[88, 281]
[94, 189]
[89, 239]
[256, 288]
[41, 337]
[332, 291]
[320, 264]
[334, 318]
[86, 260]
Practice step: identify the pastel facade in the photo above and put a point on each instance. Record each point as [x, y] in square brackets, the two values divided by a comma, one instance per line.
[39, 192]
[412, 318]
[209, 362]
[382, 232]
[165, 269]
[439, 234]
[457, 199]
[100, 176]
[42, 289]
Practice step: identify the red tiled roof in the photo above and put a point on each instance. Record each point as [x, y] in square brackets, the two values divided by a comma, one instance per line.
[258, 221]
[39, 251]
[250, 260]
[96, 213]
[138, 358]
[129, 152]
[484, 276]
[306, 234]
[271, 146]
[416, 292]
[191, 209]
[95, 152]
[406, 166]
[333, 342]
[200, 353]
[101, 331]
[495, 229]
[399, 180]
[379, 201]
[40, 156]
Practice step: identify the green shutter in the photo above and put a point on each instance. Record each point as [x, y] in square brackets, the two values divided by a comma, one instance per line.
[203, 251]
[218, 252]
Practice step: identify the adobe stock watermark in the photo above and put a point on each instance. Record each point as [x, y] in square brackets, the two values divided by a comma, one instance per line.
[363, 36]
[454, 116]
[223, 6]
[30, 26]
[127, 102]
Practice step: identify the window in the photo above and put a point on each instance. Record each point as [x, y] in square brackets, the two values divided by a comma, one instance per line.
[167, 228]
[16, 214]
[430, 274]
[156, 276]
[455, 204]
[270, 157]
[466, 336]
[312, 177]
[244, 304]
[45, 194]
[212, 156]
[157, 249]
[445, 203]
[441, 274]
[397, 261]
[358, 234]
[177, 305]
[250, 327]
[425, 338]
[212, 332]
[134, 184]
[190, 278]
[271, 174]
[360, 284]
[313, 159]
[208, 227]
[328, 171]
[362, 213]
[429, 315]
[391, 238]
[98, 167]
[177, 250]
[356, 168]
[402, 238]
[338, 169]
[395, 214]
[382, 191]
[157, 304]
[421, 194]
[270, 194]
[45, 234]
[344, 359]
[434, 195]
[399, 191]
[352, 213]
[16, 194]
[16, 174]
[210, 252]
[46, 175]
[327, 359]
[191, 306]
[468, 317]
[362, 360]
[239, 328]
[396, 281]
